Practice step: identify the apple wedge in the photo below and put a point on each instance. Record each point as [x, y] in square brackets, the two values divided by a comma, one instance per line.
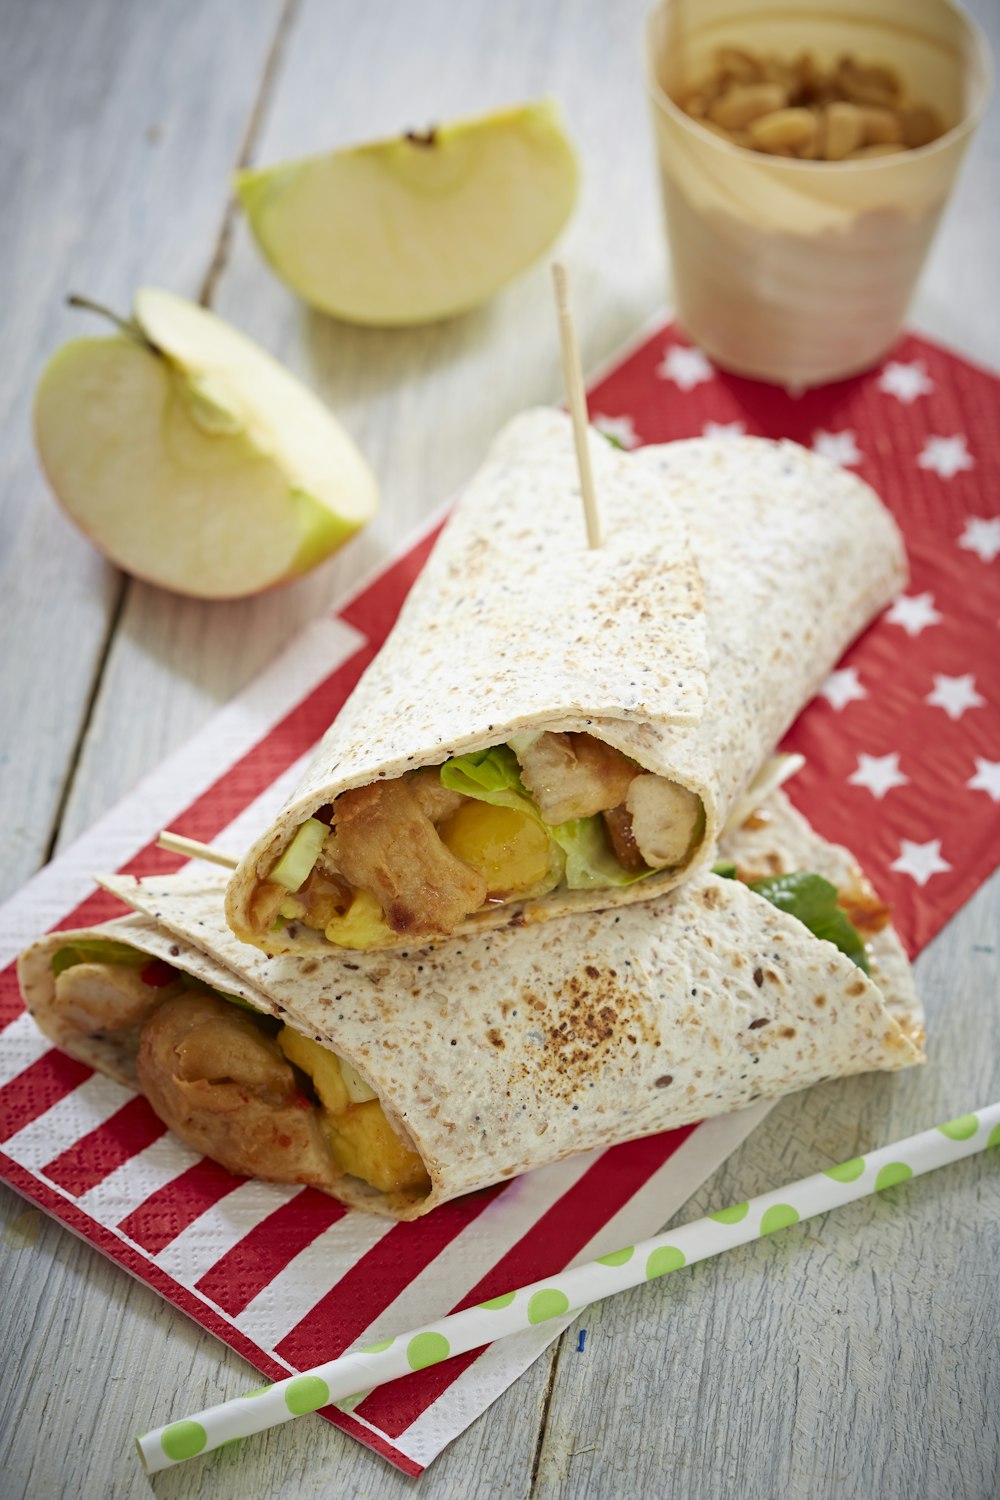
[421, 226]
[193, 459]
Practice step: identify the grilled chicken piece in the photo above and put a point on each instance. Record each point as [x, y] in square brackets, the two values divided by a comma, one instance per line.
[104, 997]
[618, 822]
[432, 798]
[664, 819]
[222, 1084]
[386, 845]
[572, 775]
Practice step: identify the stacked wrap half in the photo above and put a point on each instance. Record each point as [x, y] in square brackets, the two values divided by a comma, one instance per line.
[516, 1048]
[734, 575]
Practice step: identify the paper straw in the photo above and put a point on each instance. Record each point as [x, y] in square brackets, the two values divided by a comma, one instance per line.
[569, 1291]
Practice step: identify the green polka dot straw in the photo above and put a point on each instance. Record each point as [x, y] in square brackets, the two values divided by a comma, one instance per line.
[569, 1291]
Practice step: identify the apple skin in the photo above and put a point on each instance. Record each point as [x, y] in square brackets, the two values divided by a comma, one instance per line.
[418, 227]
[206, 469]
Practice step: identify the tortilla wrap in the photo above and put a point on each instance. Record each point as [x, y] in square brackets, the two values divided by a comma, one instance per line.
[514, 1049]
[515, 626]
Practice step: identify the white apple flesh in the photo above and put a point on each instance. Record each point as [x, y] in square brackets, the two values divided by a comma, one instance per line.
[194, 460]
[419, 227]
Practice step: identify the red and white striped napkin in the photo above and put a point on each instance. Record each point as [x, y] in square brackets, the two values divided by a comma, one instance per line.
[903, 750]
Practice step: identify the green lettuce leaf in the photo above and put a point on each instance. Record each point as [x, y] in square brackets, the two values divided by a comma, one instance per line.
[492, 776]
[590, 859]
[813, 901]
[98, 951]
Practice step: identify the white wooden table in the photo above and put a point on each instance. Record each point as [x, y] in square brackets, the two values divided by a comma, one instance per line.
[861, 1356]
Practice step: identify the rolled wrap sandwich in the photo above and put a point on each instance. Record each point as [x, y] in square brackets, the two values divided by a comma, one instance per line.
[551, 729]
[399, 1081]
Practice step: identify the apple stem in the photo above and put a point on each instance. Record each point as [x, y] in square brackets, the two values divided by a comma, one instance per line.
[127, 326]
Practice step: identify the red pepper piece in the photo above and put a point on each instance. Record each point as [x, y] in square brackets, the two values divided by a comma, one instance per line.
[158, 974]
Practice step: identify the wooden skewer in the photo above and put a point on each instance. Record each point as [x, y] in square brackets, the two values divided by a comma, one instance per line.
[577, 398]
[178, 844]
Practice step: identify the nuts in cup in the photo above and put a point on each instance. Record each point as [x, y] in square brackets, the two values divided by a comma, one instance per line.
[849, 112]
[781, 267]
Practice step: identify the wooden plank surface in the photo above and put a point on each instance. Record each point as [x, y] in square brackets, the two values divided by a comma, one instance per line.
[106, 107]
[778, 1370]
[423, 403]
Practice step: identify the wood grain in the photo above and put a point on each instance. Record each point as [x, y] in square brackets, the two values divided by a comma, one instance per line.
[106, 107]
[849, 1355]
[423, 403]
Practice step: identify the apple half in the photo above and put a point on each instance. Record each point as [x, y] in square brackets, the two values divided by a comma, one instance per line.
[194, 460]
[421, 226]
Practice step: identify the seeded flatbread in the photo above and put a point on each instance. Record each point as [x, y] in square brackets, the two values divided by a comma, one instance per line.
[514, 624]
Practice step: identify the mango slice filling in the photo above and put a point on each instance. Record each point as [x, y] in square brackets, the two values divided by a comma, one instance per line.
[363, 1142]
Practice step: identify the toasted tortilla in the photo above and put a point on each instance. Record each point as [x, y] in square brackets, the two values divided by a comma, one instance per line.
[513, 1049]
[693, 670]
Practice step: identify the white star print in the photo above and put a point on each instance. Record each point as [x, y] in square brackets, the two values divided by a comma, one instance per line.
[955, 694]
[920, 860]
[621, 429]
[842, 688]
[905, 382]
[947, 456]
[982, 536]
[838, 447]
[987, 778]
[685, 367]
[879, 773]
[914, 612]
[723, 430]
